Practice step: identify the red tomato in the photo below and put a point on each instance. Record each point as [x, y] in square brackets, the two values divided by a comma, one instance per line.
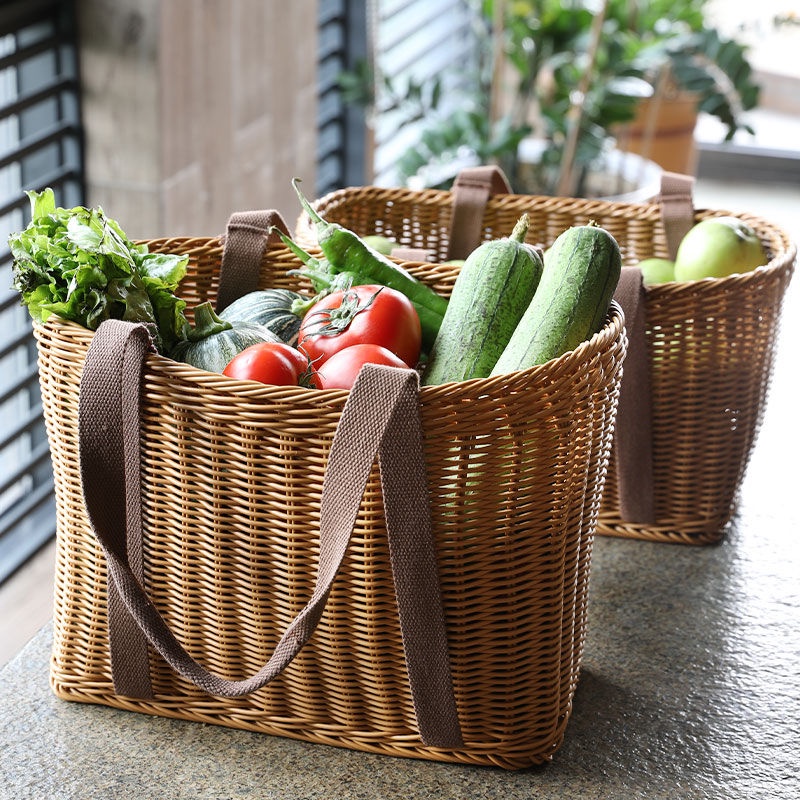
[361, 315]
[269, 362]
[341, 369]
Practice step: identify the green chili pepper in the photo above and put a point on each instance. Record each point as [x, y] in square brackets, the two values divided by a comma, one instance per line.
[323, 279]
[320, 273]
[345, 251]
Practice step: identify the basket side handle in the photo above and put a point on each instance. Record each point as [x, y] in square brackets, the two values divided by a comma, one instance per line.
[633, 432]
[677, 208]
[471, 191]
[245, 242]
[380, 418]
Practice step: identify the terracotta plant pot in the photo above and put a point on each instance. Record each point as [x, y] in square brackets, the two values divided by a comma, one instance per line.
[663, 131]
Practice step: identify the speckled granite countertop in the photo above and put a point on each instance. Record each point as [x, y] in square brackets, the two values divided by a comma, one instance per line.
[690, 689]
[690, 686]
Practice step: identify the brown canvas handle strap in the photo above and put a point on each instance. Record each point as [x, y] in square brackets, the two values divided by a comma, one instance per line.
[633, 432]
[471, 192]
[245, 243]
[111, 482]
[677, 208]
[381, 417]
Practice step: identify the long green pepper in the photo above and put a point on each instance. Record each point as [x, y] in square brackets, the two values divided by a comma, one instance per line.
[346, 252]
[322, 277]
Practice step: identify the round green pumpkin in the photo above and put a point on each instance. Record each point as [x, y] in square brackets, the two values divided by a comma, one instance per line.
[214, 341]
[269, 307]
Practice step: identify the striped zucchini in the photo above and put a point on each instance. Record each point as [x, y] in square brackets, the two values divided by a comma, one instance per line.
[490, 294]
[581, 272]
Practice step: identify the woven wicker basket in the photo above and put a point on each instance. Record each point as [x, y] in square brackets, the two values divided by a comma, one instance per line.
[710, 342]
[232, 475]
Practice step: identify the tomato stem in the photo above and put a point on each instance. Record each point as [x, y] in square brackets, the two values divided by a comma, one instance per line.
[338, 319]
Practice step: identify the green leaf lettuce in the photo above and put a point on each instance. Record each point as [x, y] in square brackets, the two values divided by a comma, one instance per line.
[79, 265]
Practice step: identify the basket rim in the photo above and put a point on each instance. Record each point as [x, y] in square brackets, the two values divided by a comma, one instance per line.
[435, 196]
[612, 331]
[781, 262]
[640, 209]
[627, 210]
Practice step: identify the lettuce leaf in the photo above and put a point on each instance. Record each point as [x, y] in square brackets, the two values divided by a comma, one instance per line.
[78, 264]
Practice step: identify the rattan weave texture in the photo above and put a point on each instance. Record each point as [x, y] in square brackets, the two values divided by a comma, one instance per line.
[710, 343]
[232, 474]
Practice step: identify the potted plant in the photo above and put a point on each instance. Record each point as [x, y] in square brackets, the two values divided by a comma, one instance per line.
[567, 79]
[583, 76]
[692, 68]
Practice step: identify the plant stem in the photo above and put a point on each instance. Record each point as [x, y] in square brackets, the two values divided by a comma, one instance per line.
[207, 323]
[575, 113]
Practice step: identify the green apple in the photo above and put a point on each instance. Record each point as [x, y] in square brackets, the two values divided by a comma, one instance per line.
[717, 247]
[657, 270]
[380, 243]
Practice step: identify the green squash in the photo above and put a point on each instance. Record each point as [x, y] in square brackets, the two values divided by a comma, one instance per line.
[213, 342]
[271, 308]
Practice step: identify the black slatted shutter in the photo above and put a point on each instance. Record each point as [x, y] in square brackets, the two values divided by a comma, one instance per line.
[40, 145]
[342, 31]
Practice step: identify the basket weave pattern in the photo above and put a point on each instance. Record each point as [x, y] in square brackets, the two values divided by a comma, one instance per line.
[232, 474]
[421, 219]
[711, 349]
[711, 343]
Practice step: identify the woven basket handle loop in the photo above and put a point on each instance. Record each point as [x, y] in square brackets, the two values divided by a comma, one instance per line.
[677, 208]
[471, 191]
[633, 432]
[380, 417]
[245, 243]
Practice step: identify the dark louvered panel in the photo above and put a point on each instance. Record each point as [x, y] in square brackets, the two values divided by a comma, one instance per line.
[40, 145]
[341, 131]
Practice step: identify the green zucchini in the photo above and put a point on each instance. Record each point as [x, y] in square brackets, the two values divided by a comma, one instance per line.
[213, 342]
[490, 295]
[581, 272]
[271, 308]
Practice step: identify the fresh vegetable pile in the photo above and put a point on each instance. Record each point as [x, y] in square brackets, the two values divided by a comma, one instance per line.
[78, 264]
[350, 260]
[510, 308]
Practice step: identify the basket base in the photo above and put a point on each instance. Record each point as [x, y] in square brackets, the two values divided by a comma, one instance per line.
[661, 533]
[517, 755]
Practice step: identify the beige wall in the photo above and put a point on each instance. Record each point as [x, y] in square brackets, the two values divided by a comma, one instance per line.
[194, 109]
